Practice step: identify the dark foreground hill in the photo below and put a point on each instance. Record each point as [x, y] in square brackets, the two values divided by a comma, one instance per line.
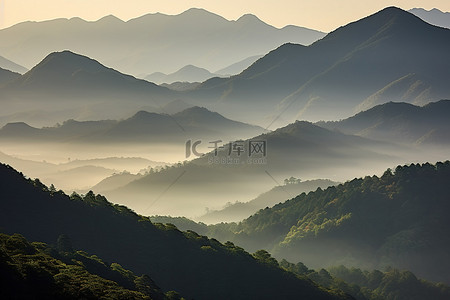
[40, 271]
[193, 265]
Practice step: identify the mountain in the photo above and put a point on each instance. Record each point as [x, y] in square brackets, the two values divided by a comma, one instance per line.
[381, 58]
[401, 123]
[194, 266]
[235, 212]
[237, 172]
[238, 67]
[153, 42]
[187, 73]
[143, 128]
[399, 219]
[69, 81]
[7, 76]
[11, 66]
[433, 16]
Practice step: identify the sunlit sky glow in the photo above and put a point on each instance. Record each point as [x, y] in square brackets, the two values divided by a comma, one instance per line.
[324, 15]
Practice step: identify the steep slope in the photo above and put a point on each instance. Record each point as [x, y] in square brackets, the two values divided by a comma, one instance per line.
[153, 42]
[400, 122]
[331, 78]
[193, 265]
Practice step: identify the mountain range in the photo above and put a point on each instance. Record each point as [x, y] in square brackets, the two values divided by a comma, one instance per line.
[383, 57]
[153, 42]
[143, 127]
[433, 16]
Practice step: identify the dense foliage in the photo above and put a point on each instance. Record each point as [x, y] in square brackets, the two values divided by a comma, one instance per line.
[37, 271]
[191, 264]
[375, 285]
[398, 219]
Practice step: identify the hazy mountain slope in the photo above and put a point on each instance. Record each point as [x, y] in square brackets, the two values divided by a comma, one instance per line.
[186, 262]
[433, 16]
[235, 212]
[300, 149]
[115, 181]
[331, 78]
[400, 122]
[187, 73]
[153, 42]
[11, 66]
[239, 66]
[7, 76]
[399, 219]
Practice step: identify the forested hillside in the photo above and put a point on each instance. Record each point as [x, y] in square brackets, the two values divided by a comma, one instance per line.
[193, 265]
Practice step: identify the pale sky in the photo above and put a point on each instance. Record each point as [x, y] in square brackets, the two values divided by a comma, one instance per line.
[324, 15]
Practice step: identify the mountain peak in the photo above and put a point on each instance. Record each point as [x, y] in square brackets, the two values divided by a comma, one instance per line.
[199, 13]
[198, 110]
[110, 19]
[143, 115]
[247, 18]
[65, 63]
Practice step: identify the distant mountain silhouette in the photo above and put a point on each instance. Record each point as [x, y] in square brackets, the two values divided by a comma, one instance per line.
[401, 123]
[188, 73]
[433, 16]
[153, 42]
[11, 66]
[143, 127]
[333, 77]
[66, 80]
